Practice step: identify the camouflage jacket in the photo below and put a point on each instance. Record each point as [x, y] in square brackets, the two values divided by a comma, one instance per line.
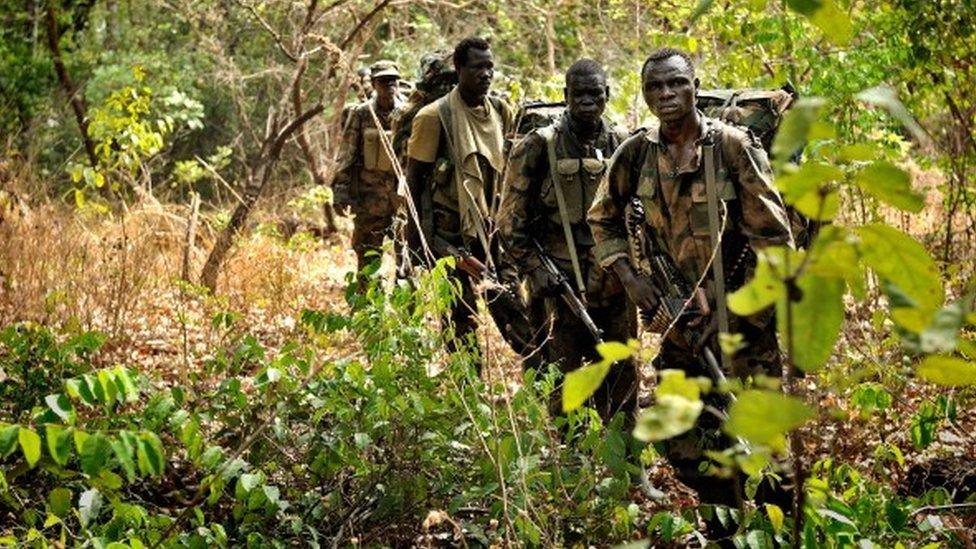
[675, 202]
[365, 171]
[530, 209]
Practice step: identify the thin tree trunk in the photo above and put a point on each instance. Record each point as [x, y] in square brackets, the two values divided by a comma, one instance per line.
[75, 97]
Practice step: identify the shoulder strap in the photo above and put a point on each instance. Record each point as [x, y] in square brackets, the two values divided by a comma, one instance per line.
[714, 226]
[551, 134]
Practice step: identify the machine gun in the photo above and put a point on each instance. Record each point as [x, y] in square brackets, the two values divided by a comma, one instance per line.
[567, 293]
[679, 304]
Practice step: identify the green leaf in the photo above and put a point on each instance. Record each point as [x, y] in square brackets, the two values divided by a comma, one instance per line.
[775, 517]
[150, 454]
[59, 502]
[8, 439]
[899, 259]
[891, 185]
[123, 381]
[110, 391]
[674, 382]
[94, 454]
[810, 185]
[794, 130]
[816, 320]
[670, 416]
[61, 405]
[30, 445]
[833, 22]
[763, 290]
[613, 351]
[764, 417]
[581, 383]
[89, 504]
[947, 371]
[124, 449]
[58, 443]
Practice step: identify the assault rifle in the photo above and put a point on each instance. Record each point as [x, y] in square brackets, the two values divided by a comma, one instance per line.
[567, 293]
[679, 304]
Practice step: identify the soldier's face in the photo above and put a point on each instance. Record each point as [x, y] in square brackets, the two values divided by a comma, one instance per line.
[475, 76]
[669, 88]
[385, 87]
[586, 97]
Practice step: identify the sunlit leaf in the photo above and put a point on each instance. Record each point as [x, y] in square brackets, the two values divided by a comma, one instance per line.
[614, 351]
[58, 443]
[776, 517]
[764, 417]
[759, 293]
[947, 371]
[94, 454]
[794, 130]
[59, 502]
[89, 504]
[815, 320]
[674, 382]
[891, 185]
[902, 261]
[8, 439]
[30, 445]
[61, 405]
[583, 382]
[670, 416]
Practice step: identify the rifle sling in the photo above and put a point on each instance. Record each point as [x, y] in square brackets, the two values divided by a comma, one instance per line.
[551, 137]
[714, 225]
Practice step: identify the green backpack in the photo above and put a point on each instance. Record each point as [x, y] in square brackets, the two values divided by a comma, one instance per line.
[760, 111]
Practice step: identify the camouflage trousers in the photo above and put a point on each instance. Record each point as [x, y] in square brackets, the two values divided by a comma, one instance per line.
[373, 223]
[686, 453]
[565, 341]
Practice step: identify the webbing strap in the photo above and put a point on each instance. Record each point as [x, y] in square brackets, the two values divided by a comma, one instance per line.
[714, 225]
[551, 137]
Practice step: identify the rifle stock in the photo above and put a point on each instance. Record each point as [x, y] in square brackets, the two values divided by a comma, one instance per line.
[567, 293]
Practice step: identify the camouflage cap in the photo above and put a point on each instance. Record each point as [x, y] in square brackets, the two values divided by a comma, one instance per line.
[384, 68]
[436, 64]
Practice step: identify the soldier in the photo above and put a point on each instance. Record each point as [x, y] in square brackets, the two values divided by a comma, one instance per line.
[549, 187]
[365, 181]
[664, 167]
[456, 153]
[437, 78]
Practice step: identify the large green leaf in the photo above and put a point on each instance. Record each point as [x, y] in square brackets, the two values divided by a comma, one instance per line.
[30, 445]
[61, 405]
[833, 22]
[8, 439]
[613, 351]
[94, 454]
[58, 443]
[899, 259]
[670, 416]
[891, 185]
[795, 129]
[809, 189]
[124, 449]
[815, 320]
[764, 417]
[948, 371]
[583, 382]
[674, 382]
[763, 290]
[59, 502]
[149, 454]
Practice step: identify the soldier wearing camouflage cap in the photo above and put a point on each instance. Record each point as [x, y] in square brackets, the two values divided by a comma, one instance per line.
[364, 182]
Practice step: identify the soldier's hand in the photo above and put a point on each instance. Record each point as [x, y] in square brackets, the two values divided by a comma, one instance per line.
[642, 292]
[544, 282]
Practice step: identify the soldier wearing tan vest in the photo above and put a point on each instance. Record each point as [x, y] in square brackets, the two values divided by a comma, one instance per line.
[365, 182]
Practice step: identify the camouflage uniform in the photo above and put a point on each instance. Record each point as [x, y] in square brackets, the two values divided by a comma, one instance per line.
[439, 209]
[365, 179]
[530, 210]
[675, 204]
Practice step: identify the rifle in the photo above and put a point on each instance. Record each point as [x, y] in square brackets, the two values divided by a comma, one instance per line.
[567, 293]
[679, 304]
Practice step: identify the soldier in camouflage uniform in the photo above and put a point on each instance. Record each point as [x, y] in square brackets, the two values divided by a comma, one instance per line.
[365, 181]
[456, 153]
[569, 157]
[663, 167]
